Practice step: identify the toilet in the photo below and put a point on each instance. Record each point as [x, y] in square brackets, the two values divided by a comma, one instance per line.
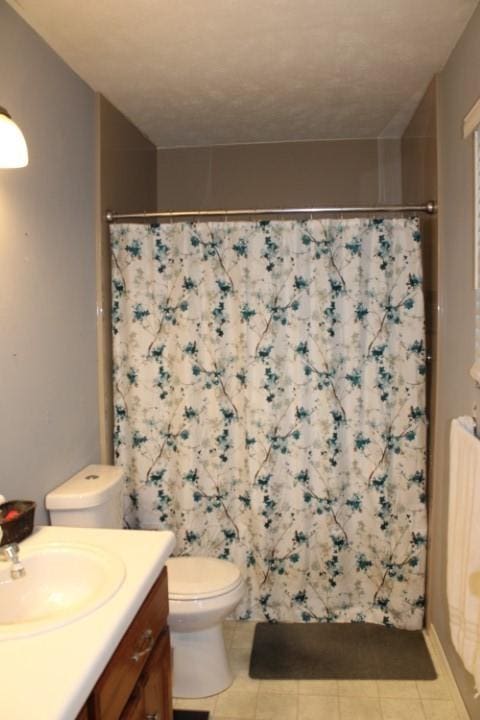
[202, 591]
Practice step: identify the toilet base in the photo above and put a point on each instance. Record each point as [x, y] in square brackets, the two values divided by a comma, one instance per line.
[200, 663]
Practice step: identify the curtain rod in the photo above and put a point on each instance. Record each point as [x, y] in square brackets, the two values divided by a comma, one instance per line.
[430, 208]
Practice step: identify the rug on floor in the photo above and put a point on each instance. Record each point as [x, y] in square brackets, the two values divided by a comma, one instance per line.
[339, 651]
[190, 715]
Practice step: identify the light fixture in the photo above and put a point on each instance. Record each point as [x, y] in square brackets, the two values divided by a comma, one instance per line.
[13, 148]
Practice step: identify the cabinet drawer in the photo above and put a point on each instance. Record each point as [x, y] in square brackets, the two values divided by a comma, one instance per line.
[119, 677]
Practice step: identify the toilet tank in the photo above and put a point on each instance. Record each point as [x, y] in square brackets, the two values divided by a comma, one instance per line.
[91, 498]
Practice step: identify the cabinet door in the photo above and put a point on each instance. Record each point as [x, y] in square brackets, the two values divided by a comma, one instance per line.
[112, 691]
[135, 708]
[158, 681]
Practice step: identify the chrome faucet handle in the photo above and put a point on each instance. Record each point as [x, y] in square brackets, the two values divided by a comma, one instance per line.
[10, 552]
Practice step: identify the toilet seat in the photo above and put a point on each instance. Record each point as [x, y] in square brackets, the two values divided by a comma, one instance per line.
[197, 578]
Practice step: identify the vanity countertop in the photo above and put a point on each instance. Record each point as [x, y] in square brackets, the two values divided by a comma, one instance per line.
[49, 676]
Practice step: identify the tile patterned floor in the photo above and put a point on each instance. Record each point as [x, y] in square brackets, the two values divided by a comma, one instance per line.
[249, 699]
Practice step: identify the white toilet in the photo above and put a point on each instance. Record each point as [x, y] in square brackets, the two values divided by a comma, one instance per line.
[202, 591]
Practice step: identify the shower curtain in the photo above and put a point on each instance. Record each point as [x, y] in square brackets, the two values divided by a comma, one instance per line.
[269, 407]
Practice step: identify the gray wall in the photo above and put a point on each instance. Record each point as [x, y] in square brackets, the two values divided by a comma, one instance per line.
[459, 88]
[48, 362]
[286, 174]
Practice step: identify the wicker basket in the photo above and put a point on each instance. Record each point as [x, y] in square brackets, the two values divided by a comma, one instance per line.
[20, 527]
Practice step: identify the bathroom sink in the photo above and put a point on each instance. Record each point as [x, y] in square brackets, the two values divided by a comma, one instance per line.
[62, 583]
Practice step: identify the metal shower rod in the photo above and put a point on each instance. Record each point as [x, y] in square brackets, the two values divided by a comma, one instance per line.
[430, 208]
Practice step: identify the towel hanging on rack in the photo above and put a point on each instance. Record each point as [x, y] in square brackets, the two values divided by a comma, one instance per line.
[463, 563]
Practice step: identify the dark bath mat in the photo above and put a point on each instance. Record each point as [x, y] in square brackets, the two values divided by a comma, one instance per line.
[338, 651]
[190, 715]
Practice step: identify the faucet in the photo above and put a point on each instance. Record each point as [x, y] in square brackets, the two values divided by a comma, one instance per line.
[10, 552]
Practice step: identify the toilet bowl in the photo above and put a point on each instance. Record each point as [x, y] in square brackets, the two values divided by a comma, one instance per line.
[202, 592]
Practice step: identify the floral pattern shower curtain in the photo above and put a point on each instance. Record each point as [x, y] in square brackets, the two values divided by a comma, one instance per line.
[269, 407]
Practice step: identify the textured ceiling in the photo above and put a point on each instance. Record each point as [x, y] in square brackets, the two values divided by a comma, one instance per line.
[212, 72]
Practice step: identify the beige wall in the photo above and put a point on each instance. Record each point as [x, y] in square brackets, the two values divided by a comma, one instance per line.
[126, 182]
[459, 88]
[420, 183]
[49, 417]
[293, 174]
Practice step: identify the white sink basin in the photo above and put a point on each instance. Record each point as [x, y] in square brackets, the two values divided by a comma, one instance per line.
[63, 582]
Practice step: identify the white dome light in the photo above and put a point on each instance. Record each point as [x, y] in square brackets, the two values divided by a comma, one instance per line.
[13, 148]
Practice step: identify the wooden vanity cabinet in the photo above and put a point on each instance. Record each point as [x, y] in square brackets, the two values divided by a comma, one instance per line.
[137, 682]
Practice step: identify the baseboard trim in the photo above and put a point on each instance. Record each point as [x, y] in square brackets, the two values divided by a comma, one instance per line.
[435, 646]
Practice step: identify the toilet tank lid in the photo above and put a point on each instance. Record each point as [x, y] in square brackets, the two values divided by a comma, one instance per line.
[90, 487]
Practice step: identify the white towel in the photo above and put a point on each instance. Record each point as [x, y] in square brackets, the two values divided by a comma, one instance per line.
[463, 564]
